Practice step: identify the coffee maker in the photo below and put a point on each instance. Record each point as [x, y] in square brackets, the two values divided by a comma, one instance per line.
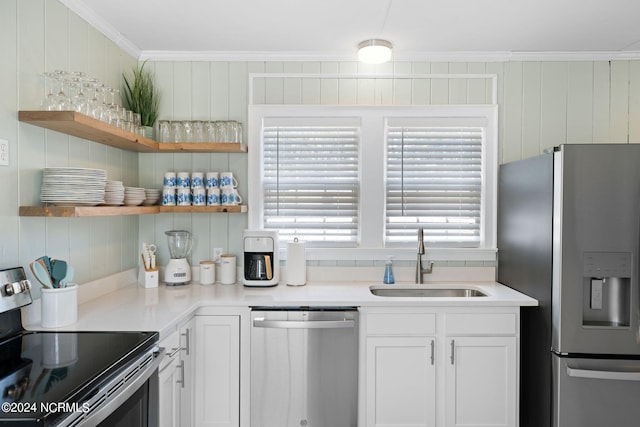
[261, 262]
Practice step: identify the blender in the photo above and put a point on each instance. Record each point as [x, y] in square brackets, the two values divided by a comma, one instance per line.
[178, 270]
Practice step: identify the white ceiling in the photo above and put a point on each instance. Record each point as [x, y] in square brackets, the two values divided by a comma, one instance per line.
[332, 29]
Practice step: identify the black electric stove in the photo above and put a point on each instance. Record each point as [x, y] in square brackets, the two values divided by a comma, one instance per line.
[52, 378]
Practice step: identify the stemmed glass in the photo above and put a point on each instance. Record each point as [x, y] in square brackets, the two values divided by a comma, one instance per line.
[61, 99]
[95, 104]
[80, 100]
[48, 101]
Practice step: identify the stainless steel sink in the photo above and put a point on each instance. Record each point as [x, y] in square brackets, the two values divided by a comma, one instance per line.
[422, 291]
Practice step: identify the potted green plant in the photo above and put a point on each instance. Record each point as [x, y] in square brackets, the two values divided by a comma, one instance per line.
[141, 96]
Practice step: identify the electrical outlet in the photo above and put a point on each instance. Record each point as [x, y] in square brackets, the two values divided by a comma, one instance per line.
[4, 152]
[216, 254]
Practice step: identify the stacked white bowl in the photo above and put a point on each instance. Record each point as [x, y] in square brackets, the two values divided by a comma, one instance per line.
[114, 193]
[134, 196]
[151, 196]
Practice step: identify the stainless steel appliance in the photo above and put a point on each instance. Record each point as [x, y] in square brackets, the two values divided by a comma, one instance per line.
[261, 262]
[569, 236]
[304, 367]
[73, 378]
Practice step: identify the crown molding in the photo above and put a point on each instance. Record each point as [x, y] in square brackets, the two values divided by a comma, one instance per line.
[266, 56]
[97, 22]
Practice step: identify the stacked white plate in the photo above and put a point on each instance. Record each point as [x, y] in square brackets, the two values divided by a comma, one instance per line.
[133, 196]
[114, 193]
[151, 196]
[73, 186]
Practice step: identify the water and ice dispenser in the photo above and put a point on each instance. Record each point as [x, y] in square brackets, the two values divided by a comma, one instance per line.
[607, 289]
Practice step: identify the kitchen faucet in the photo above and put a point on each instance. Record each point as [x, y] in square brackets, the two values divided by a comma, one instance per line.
[419, 269]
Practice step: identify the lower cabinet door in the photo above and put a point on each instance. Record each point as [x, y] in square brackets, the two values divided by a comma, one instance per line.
[401, 382]
[217, 371]
[169, 393]
[481, 382]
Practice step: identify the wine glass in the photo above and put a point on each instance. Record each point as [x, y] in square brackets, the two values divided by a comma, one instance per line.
[48, 100]
[61, 99]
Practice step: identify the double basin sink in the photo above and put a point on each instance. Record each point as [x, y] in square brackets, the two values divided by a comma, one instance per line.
[426, 291]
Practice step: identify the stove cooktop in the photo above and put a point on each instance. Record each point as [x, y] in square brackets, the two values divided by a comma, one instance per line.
[43, 374]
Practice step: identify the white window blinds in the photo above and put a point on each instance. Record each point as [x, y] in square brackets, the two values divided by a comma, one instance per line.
[434, 180]
[311, 183]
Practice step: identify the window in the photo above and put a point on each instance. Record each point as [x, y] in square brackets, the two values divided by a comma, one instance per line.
[434, 181]
[310, 182]
[357, 181]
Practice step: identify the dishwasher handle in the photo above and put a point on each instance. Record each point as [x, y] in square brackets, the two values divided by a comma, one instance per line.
[260, 322]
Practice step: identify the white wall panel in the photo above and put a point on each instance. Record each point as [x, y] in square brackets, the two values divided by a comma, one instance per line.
[553, 118]
[634, 102]
[619, 106]
[38, 36]
[580, 102]
[531, 98]
[512, 102]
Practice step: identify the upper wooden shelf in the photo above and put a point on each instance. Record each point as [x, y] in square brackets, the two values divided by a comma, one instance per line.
[86, 211]
[82, 126]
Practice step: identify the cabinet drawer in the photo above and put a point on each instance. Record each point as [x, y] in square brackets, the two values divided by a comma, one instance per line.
[171, 346]
[401, 324]
[481, 324]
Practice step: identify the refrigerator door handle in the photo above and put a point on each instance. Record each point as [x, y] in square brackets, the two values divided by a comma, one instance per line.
[603, 375]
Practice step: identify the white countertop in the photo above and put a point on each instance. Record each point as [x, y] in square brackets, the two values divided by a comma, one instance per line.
[133, 307]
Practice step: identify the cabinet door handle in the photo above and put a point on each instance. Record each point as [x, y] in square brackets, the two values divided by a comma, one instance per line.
[453, 351]
[187, 345]
[181, 380]
[433, 352]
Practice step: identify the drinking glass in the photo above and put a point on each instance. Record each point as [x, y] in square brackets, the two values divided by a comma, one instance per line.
[177, 131]
[188, 130]
[48, 100]
[164, 128]
[198, 131]
[61, 99]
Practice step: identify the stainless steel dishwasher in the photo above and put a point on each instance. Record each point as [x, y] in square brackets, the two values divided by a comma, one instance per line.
[304, 367]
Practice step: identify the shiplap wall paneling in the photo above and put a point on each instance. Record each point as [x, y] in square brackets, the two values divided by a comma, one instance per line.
[634, 101]
[44, 36]
[619, 102]
[512, 104]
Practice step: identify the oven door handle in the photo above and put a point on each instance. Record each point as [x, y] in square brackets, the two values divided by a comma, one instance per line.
[303, 324]
[603, 375]
[104, 410]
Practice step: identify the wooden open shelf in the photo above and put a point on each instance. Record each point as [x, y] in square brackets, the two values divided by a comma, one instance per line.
[82, 126]
[87, 211]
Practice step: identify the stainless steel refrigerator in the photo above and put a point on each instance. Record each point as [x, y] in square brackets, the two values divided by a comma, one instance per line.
[569, 236]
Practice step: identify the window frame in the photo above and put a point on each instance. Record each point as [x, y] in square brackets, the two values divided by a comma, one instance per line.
[373, 171]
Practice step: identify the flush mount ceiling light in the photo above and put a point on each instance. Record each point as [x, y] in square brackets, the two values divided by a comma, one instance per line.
[374, 51]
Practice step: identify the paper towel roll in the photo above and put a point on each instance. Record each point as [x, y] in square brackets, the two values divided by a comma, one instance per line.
[296, 263]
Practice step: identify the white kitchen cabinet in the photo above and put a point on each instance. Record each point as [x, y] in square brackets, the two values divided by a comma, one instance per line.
[481, 382]
[440, 367]
[175, 378]
[170, 376]
[482, 369]
[404, 390]
[187, 360]
[217, 368]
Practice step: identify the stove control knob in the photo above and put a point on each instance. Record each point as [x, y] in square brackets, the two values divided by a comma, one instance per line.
[8, 289]
[16, 287]
[25, 285]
